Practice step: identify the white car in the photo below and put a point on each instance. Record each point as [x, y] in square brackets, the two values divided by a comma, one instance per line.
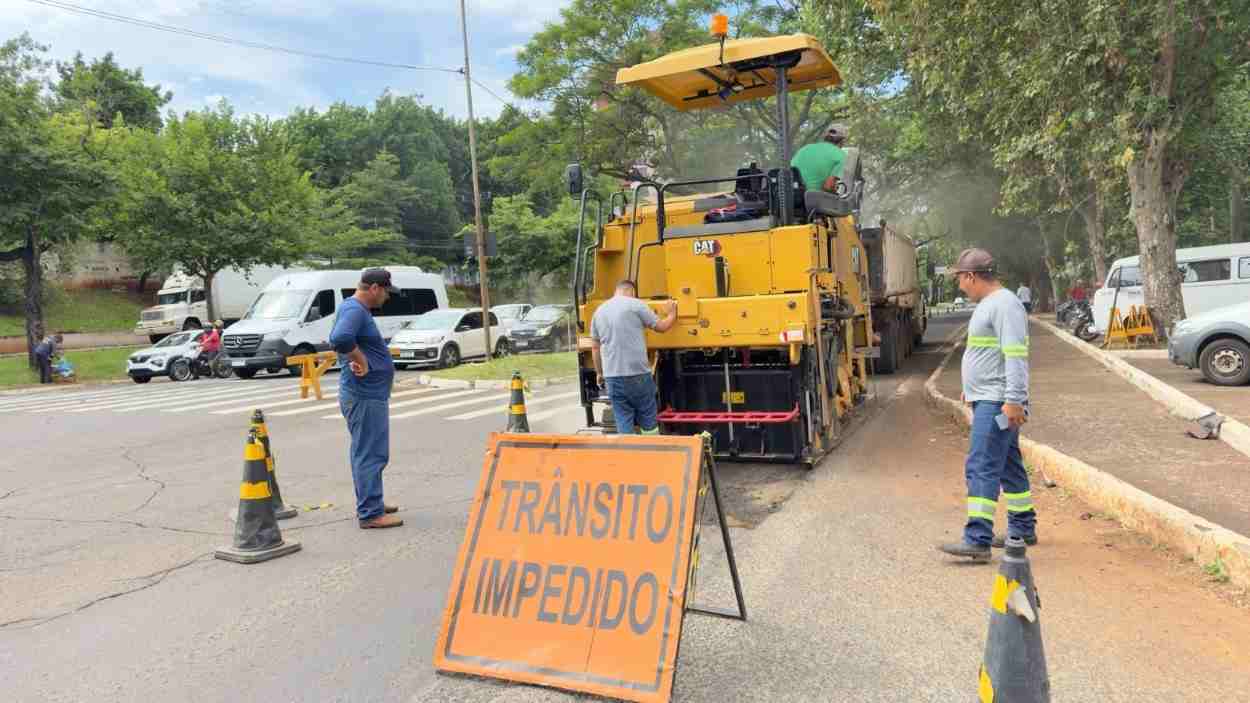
[156, 359]
[444, 337]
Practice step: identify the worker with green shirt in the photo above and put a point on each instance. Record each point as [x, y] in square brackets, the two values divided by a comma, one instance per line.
[820, 163]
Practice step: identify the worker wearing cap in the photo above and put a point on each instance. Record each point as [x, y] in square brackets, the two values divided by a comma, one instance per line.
[365, 393]
[995, 374]
[820, 163]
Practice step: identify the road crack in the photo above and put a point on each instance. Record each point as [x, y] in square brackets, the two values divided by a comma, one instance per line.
[152, 579]
[129, 523]
[143, 475]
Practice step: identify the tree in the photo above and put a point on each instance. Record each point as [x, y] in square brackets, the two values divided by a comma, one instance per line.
[105, 90]
[1127, 78]
[50, 177]
[213, 192]
[362, 218]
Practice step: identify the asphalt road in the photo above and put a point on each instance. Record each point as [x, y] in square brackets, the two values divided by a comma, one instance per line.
[110, 507]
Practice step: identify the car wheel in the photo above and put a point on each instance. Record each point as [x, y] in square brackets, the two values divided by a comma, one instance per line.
[245, 373]
[1226, 362]
[401, 367]
[502, 349]
[141, 379]
[180, 370]
[450, 357]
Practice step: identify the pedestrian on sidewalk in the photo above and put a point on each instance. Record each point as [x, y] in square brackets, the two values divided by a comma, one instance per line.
[995, 373]
[619, 348]
[1026, 297]
[365, 394]
[45, 351]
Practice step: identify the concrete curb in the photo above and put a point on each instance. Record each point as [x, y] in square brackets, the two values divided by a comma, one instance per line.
[1233, 433]
[1135, 353]
[488, 384]
[1135, 509]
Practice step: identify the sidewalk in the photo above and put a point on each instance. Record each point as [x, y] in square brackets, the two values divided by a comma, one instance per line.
[1229, 401]
[1084, 410]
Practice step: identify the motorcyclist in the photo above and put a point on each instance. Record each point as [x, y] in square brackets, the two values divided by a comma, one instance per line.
[209, 348]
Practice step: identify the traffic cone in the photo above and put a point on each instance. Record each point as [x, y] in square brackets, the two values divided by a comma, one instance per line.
[1014, 669]
[256, 533]
[281, 510]
[517, 421]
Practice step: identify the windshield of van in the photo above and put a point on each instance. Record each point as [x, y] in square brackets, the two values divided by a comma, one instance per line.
[434, 320]
[172, 298]
[544, 315]
[278, 305]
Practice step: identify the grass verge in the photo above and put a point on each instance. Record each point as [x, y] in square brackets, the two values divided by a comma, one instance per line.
[87, 310]
[93, 365]
[530, 365]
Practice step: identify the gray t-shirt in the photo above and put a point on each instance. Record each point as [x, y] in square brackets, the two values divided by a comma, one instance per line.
[618, 327]
[996, 361]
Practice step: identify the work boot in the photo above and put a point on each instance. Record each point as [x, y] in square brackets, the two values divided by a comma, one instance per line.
[390, 508]
[381, 521]
[1000, 541]
[977, 552]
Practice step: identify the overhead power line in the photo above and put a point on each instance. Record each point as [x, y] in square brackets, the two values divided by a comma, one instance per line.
[134, 21]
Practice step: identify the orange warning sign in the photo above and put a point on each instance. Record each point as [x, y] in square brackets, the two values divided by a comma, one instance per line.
[574, 565]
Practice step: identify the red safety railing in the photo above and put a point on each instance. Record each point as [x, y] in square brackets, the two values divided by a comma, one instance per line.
[699, 418]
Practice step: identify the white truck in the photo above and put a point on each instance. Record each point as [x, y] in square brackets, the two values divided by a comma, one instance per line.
[182, 305]
[898, 309]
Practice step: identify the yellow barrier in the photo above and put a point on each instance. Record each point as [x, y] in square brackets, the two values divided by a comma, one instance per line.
[312, 366]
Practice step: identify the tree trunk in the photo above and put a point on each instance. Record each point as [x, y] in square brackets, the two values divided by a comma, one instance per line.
[1045, 284]
[208, 299]
[143, 282]
[1236, 207]
[32, 266]
[1094, 213]
[1156, 232]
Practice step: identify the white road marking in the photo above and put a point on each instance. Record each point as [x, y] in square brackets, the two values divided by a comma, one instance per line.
[327, 406]
[437, 408]
[529, 402]
[258, 394]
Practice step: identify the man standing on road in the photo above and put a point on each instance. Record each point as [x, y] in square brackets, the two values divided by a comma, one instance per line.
[365, 394]
[1026, 297]
[44, 352]
[619, 347]
[995, 375]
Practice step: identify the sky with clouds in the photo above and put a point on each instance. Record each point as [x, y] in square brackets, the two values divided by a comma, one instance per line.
[199, 72]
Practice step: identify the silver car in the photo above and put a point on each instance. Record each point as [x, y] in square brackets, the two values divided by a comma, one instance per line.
[1217, 342]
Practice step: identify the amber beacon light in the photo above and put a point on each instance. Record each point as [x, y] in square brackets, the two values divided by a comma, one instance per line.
[720, 26]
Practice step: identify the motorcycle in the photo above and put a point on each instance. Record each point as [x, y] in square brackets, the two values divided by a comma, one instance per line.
[1064, 312]
[1082, 319]
[183, 368]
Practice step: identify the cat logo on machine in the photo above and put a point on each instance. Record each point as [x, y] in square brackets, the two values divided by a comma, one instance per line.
[706, 247]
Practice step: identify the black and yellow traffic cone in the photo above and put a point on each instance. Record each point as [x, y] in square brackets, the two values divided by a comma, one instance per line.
[256, 533]
[281, 510]
[1014, 669]
[517, 421]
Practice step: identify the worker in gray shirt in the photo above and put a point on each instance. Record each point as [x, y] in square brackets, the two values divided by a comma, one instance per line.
[995, 375]
[619, 346]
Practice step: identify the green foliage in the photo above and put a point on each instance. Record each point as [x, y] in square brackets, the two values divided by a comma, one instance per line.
[92, 365]
[213, 191]
[105, 90]
[86, 310]
[531, 366]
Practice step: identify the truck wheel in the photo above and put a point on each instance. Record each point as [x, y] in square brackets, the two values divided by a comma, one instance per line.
[191, 324]
[245, 373]
[154, 338]
[888, 361]
[1226, 362]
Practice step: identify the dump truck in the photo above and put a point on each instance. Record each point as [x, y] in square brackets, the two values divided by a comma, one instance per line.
[774, 336]
[899, 316]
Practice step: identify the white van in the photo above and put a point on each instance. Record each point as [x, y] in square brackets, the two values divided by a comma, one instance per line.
[295, 313]
[1215, 276]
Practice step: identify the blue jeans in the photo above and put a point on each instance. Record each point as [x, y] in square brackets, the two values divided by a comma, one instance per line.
[633, 403]
[994, 463]
[369, 423]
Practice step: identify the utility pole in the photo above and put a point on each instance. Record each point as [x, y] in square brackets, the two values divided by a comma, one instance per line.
[477, 193]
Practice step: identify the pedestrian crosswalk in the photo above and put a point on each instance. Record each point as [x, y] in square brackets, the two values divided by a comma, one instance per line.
[279, 398]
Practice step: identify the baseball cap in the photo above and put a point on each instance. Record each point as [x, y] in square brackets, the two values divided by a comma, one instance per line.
[381, 277]
[973, 260]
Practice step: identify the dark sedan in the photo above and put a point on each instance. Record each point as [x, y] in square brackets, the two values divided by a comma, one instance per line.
[544, 328]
